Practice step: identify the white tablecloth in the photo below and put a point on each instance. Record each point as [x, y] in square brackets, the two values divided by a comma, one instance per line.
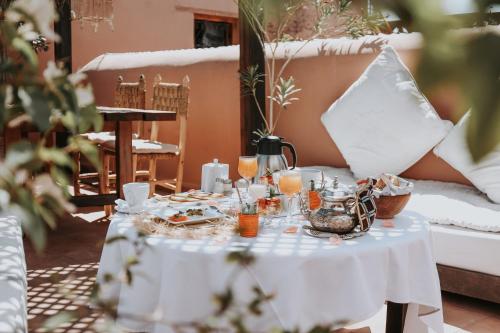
[13, 310]
[315, 281]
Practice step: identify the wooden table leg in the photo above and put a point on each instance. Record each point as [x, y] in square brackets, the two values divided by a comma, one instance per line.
[123, 154]
[396, 315]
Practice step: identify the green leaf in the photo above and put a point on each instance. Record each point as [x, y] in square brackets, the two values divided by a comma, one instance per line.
[32, 225]
[60, 176]
[223, 301]
[19, 154]
[128, 276]
[482, 85]
[114, 239]
[57, 320]
[242, 258]
[132, 261]
[90, 119]
[26, 50]
[251, 77]
[47, 215]
[55, 155]
[87, 148]
[37, 105]
[239, 325]
[70, 122]
[3, 110]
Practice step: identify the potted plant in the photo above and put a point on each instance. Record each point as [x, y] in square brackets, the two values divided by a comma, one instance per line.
[276, 22]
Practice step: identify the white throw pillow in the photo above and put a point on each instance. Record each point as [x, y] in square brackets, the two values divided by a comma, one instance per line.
[383, 123]
[485, 175]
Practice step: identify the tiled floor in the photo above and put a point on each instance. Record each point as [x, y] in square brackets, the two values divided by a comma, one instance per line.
[70, 263]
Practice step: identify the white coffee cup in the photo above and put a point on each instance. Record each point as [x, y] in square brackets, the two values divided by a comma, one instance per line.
[135, 195]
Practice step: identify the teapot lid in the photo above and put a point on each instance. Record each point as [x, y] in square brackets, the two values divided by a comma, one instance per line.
[339, 192]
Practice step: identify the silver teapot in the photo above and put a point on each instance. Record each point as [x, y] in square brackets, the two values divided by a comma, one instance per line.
[342, 209]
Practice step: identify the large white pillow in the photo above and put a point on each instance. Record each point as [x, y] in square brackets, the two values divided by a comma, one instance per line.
[383, 123]
[485, 175]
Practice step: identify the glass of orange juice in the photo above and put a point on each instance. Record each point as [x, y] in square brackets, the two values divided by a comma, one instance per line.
[247, 168]
[290, 184]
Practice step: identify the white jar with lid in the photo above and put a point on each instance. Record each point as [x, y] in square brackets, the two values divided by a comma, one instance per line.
[210, 172]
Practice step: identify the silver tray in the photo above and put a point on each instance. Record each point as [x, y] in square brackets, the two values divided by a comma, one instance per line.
[310, 231]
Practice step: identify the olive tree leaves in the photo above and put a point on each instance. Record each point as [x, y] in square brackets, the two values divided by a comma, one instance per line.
[273, 21]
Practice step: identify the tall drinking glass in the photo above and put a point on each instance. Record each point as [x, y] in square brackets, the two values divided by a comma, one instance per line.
[290, 184]
[247, 168]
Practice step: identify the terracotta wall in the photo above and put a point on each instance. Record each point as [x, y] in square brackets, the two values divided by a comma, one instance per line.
[213, 124]
[144, 25]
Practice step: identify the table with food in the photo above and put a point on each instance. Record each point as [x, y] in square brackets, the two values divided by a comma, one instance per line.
[329, 253]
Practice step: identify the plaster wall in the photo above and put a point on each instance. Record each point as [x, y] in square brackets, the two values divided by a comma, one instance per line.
[324, 71]
[144, 25]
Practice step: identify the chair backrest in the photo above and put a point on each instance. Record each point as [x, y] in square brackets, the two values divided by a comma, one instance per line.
[171, 97]
[131, 95]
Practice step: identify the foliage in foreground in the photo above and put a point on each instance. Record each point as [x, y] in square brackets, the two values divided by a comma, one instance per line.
[34, 174]
[467, 62]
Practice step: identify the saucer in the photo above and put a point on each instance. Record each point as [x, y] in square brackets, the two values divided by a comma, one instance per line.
[123, 207]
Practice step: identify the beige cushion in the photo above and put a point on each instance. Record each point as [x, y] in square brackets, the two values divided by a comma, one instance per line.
[101, 137]
[140, 146]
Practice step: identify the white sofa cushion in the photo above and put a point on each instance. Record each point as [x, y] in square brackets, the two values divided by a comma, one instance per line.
[485, 175]
[466, 248]
[383, 123]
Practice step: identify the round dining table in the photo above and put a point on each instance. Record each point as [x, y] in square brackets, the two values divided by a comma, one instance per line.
[315, 281]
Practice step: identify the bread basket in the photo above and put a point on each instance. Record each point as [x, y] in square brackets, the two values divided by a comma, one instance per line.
[393, 194]
[389, 206]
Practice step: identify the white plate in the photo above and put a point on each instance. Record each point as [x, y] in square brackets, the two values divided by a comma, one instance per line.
[209, 214]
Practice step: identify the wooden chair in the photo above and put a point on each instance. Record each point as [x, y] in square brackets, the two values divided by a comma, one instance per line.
[127, 95]
[166, 97]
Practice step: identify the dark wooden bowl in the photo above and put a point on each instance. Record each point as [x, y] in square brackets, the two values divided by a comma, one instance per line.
[390, 206]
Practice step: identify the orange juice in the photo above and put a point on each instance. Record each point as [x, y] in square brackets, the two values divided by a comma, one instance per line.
[247, 167]
[248, 225]
[314, 200]
[290, 183]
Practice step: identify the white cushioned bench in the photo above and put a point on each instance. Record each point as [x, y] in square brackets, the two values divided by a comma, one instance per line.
[13, 285]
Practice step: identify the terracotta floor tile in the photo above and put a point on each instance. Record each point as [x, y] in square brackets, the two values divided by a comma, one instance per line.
[469, 303]
[460, 317]
[487, 325]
